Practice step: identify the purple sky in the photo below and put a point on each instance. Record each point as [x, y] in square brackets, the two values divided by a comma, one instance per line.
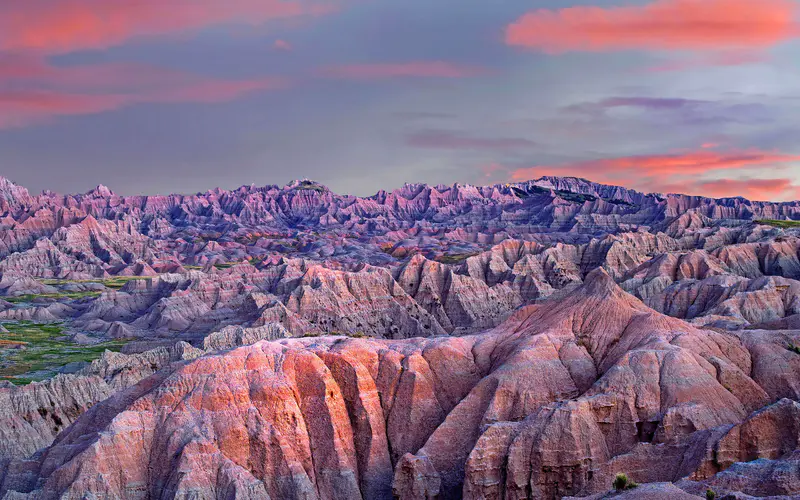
[154, 96]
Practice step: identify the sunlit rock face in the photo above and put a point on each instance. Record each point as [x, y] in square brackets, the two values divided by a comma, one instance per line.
[529, 340]
[552, 402]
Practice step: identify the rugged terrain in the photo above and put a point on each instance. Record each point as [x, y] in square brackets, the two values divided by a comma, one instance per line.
[528, 340]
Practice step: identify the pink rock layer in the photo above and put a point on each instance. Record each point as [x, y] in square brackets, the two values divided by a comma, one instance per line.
[552, 402]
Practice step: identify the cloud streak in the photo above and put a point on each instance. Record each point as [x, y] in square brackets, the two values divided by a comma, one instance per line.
[33, 91]
[753, 189]
[59, 26]
[659, 25]
[678, 111]
[644, 103]
[681, 173]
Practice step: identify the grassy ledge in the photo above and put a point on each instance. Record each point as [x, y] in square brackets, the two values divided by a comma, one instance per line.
[31, 352]
[783, 224]
[455, 258]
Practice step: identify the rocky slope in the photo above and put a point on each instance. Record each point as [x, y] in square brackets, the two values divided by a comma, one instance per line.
[550, 403]
[464, 257]
[527, 340]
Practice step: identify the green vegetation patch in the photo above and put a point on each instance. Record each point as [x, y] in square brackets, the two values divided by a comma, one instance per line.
[455, 258]
[21, 299]
[783, 224]
[112, 282]
[622, 483]
[120, 281]
[31, 352]
[115, 282]
[226, 265]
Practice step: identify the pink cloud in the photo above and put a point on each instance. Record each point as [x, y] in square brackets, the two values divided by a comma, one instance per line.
[753, 189]
[421, 69]
[51, 91]
[693, 163]
[56, 26]
[682, 172]
[659, 25]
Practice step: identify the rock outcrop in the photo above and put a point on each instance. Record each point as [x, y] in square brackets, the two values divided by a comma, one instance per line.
[551, 403]
[525, 340]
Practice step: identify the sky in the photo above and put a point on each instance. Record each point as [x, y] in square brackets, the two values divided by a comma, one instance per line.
[158, 96]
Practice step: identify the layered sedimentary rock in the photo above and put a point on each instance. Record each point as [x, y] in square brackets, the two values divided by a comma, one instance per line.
[550, 403]
[466, 256]
[528, 340]
[34, 414]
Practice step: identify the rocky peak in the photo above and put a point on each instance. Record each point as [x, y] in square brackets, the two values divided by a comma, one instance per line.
[11, 192]
[599, 283]
[307, 184]
[100, 191]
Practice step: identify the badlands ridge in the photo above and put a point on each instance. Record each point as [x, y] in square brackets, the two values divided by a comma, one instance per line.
[529, 340]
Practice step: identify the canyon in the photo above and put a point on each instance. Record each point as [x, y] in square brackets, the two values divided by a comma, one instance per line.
[512, 341]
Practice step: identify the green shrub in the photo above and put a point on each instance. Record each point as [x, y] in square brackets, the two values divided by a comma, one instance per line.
[621, 481]
[794, 348]
[710, 495]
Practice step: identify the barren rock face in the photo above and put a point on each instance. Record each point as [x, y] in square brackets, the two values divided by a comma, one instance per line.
[32, 416]
[548, 404]
[466, 256]
[530, 340]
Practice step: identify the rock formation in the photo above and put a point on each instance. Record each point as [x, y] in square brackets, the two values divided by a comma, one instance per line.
[552, 402]
[528, 340]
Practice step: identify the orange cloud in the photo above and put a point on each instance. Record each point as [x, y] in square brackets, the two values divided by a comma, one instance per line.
[56, 26]
[659, 25]
[681, 173]
[694, 163]
[51, 91]
[378, 71]
[753, 189]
